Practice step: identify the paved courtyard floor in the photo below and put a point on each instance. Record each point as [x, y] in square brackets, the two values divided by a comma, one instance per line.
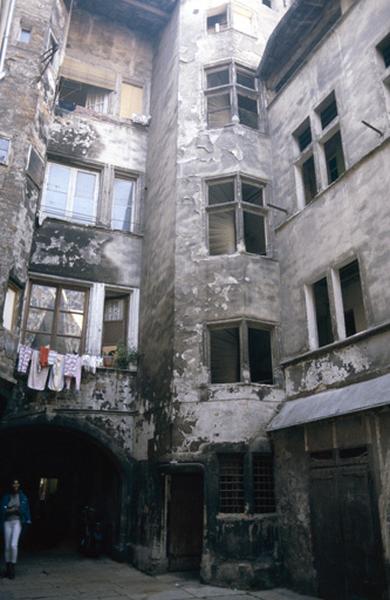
[70, 577]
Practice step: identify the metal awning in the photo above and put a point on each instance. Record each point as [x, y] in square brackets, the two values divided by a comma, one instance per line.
[333, 403]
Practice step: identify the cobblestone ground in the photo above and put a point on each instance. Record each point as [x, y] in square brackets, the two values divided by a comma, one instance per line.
[69, 577]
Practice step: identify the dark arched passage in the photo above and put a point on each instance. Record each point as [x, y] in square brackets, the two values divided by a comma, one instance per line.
[63, 469]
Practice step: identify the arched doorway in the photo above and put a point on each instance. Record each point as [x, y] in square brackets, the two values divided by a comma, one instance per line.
[63, 470]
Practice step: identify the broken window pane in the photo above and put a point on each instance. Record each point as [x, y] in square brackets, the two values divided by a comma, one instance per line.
[217, 78]
[322, 308]
[4, 149]
[247, 111]
[351, 290]
[225, 355]
[252, 193]
[309, 179]
[254, 233]
[222, 232]
[260, 355]
[221, 192]
[231, 483]
[263, 483]
[219, 110]
[217, 19]
[122, 204]
[334, 157]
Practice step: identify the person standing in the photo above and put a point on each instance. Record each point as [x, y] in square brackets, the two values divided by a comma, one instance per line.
[14, 513]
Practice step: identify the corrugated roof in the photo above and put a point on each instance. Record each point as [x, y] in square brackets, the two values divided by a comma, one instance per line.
[333, 403]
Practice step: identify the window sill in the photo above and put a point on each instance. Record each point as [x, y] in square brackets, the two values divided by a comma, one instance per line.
[241, 384]
[82, 112]
[98, 226]
[242, 253]
[352, 339]
[221, 516]
[232, 125]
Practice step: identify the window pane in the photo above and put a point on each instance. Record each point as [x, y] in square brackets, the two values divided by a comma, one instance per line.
[114, 309]
[4, 146]
[246, 79]
[36, 340]
[334, 157]
[70, 324]
[247, 111]
[260, 356]
[9, 308]
[254, 233]
[84, 208]
[221, 192]
[66, 345]
[56, 193]
[252, 193]
[219, 112]
[309, 179]
[324, 323]
[217, 78]
[231, 483]
[217, 22]
[40, 320]
[43, 296]
[122, 204]
[222, 232]
[351, 289]
[225, 355]
[72, 300]
[328, 113]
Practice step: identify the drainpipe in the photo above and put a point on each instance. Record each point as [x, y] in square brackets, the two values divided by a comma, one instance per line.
[4, 45]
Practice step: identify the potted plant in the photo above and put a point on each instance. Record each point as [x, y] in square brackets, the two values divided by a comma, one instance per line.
[126, 358]
[108, 359]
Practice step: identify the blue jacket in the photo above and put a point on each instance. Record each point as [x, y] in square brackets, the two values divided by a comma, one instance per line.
[25, 516]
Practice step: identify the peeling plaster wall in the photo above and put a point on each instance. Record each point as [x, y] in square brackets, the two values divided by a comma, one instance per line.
[24, 122]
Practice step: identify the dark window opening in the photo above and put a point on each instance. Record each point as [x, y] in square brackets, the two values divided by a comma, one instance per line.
[254, 233]
[252, 193]
[217, 21]
[231, 483]
[384, 49]
[225, 355]
[328, 110]
[323, 316]
[73, 94]
[334, 157]
[267, 3]
[309, 179]
[222, 232]
[217, 78]
[351, 290]
[246, 79]
[35, 167]
[247, 111]
[260, 355]
[304, 138]
[114, 321]
[219, 110]
[221, 192]
[263, 483]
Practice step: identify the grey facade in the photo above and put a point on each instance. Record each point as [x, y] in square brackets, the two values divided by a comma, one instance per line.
[251, 263]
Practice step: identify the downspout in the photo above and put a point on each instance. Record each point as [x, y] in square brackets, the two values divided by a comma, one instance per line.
[4, 45]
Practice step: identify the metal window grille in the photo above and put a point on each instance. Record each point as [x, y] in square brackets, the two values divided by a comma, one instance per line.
[231, 483]
[263, 483]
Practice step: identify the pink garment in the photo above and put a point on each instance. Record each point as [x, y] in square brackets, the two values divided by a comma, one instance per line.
[72, 370]
[25, 353]
[37, 376]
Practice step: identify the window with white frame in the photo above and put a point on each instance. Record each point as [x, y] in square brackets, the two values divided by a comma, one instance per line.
[352, 317]
[115, 320]
[70, 193]
[231, 96]
[236, 216]
[122, 214]
[240, 352]
[75, 93]
[56, 316]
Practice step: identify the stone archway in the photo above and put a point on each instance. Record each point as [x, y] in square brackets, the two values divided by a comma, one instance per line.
[65, 464]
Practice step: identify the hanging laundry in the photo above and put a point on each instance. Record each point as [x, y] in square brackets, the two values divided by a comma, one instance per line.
[72, 370]
[25, 353]
[44, 356]
[90, 363]
[37, 376]
[52, 357]
[56, 378]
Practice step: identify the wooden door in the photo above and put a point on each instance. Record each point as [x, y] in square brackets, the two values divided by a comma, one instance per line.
[345, 526]
[185, 521]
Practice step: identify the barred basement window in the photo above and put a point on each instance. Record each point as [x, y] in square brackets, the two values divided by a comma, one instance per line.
[263, 483]
[231, 483]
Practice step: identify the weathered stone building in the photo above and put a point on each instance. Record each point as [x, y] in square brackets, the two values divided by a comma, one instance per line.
[205, 181]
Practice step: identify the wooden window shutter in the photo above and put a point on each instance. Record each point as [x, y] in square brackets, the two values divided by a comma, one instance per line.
[131, 100]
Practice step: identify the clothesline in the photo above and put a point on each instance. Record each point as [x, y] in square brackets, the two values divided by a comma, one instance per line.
[53, 369]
